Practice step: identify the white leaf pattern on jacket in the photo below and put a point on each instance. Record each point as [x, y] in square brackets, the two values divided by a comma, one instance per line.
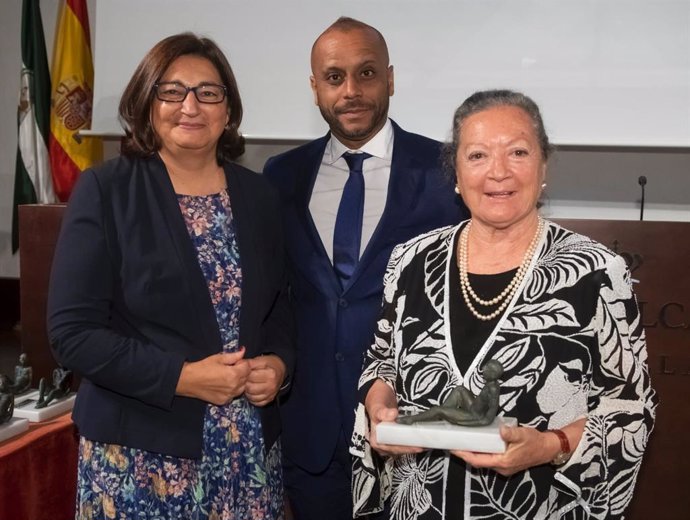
[572, 344]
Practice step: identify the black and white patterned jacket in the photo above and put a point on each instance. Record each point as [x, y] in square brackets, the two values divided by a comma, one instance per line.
[572, 345]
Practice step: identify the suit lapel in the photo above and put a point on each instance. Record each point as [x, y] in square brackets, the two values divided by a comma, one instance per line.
[403, 192]
[247, 231]
[404, 186]
[303, 190]
[196, 286]
[315, 256]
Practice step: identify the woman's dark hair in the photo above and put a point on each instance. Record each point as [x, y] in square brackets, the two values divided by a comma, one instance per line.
[483, 100]
[135, 105]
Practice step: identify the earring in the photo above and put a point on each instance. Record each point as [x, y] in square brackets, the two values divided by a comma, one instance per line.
[457, 190]
[543, 185]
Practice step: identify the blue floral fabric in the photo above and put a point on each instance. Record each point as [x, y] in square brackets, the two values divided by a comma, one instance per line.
[235, 479]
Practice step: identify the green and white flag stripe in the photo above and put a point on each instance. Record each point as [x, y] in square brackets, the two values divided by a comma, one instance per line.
[32, 182]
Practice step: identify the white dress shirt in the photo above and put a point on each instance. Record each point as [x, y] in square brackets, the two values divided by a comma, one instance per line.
[332, 176]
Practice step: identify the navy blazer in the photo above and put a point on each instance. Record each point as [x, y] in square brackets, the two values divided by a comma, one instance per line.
[128, 303]
[336, 326]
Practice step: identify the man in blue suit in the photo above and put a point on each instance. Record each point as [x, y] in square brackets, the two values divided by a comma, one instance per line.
[336, 307]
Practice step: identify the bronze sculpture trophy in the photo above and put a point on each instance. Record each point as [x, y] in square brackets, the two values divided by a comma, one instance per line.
[462, 422]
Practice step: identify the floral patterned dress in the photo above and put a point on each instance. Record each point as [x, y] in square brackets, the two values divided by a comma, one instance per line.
[235, 479]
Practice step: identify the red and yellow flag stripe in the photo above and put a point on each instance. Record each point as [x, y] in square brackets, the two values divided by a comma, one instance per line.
[71, 99]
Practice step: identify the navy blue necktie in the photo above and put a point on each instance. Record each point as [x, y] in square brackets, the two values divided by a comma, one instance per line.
[347, 235]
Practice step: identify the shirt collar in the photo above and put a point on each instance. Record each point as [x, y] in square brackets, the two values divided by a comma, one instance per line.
[381, 146]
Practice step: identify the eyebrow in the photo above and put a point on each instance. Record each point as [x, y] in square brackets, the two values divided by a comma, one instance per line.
[479, 143]
[180, 82]
[366, 63]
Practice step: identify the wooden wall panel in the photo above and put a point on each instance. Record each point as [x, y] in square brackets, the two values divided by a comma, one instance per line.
[39, 226]
[658, 254]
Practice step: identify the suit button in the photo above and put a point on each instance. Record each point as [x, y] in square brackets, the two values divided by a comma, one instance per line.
[343, 302]
[339, 356]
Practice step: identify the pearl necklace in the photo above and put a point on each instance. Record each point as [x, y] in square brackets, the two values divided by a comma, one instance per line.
[506, 295]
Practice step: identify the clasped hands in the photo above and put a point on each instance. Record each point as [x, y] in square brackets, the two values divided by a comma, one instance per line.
[525, 447]
[219, 378]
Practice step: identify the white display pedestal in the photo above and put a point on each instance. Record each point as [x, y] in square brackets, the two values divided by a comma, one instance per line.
[24, 407]
[14, 427]
[445, 436]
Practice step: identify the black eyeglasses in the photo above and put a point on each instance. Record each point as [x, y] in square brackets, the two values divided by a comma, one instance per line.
[176, 93]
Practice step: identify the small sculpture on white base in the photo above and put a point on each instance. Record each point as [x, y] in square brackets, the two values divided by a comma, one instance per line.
[62, 380]
[6, 400]
[23, 375]
[464, 408]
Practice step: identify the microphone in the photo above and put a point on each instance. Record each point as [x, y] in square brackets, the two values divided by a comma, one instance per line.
[642, 181]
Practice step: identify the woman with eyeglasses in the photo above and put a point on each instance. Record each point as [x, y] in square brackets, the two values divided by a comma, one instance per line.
[168, 297]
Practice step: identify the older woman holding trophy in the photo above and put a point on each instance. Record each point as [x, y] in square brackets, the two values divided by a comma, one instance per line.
[554, 308]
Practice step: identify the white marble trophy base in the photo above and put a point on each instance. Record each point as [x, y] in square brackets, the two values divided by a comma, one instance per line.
[13, 427]
[24, 407]
[442, 435]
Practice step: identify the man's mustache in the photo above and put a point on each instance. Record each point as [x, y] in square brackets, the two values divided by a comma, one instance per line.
[352, 107]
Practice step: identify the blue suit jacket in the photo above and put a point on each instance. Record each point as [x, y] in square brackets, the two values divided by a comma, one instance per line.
[336, 326]
[128, 303]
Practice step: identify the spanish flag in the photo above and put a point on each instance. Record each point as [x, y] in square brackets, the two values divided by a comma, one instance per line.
[71, 100]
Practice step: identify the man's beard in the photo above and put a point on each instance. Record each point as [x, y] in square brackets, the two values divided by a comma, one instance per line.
[378, 115]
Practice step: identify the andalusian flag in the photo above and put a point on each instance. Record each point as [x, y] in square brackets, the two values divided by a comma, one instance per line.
[71, 99]
[32, 181]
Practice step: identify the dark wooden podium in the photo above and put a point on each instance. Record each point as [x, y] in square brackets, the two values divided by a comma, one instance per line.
[658, 254]
[39, 227]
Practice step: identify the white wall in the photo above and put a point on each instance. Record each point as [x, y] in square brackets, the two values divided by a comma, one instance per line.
[592, 183]
[10, 68]
[586, 63]
[583, 182]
